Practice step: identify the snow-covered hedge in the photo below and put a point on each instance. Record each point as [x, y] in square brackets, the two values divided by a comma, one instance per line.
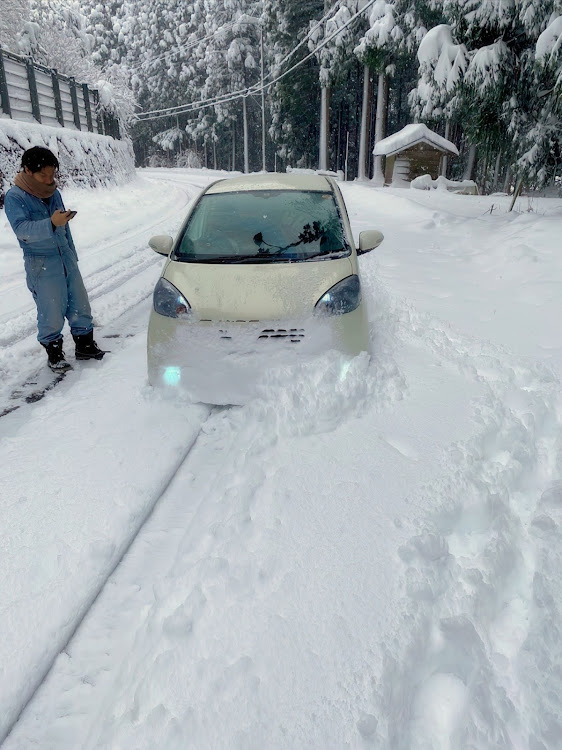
[86, 159]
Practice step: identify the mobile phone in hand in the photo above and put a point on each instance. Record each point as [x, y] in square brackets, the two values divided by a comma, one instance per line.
[71, 214]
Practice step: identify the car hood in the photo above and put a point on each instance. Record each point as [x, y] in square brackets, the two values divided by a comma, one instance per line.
[254, 291]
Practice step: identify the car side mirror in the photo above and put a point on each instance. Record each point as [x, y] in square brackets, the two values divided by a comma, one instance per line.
[161, 243]
[369, 240]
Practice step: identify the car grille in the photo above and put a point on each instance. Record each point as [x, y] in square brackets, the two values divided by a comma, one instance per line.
[294, 335]
[291, 335]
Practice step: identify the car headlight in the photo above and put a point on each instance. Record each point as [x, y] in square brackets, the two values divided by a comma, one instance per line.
[343, 297]
[168, 301]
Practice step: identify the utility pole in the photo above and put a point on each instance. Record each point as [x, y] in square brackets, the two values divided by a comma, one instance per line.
[262, 103]
[324, 119]
[258, 22]
[324, 116]
[245, 118]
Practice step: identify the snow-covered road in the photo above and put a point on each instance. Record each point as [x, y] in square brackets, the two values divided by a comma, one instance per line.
[361, 562]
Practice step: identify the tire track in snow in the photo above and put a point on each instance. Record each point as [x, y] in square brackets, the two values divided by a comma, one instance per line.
[475, 661]
[81, 614]
[208, 556]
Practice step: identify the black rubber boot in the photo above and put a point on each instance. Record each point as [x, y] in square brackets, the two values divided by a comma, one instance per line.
[86, 347]
[57, 362]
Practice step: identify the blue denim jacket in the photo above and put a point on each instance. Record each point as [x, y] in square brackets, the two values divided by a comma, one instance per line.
[30, 218]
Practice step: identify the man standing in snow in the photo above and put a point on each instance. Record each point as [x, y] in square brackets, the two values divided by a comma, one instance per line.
[39, 219]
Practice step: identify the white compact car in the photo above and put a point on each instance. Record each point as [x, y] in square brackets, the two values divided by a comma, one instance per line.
[263, 272]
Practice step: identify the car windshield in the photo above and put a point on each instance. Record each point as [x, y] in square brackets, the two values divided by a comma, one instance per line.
[263, 226]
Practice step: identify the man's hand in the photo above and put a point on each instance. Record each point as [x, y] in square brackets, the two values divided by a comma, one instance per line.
[60, 218]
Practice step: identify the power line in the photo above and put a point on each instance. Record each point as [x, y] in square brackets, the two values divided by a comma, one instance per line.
[323, 44]
[236, 94]
[308, 35]
[255, 89]
[193, 43]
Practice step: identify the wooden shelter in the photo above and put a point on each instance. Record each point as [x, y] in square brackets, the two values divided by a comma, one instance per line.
[411, 152]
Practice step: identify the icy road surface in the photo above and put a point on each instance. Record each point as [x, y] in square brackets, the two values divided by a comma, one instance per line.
[353, 560]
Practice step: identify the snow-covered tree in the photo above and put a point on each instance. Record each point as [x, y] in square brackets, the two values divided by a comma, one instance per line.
[489, 69]
[537, 123]
[395, 29]
[230, 61]
[442, 65]
[507, 100]
[104, 22]
[470, 67]
[294, 100]
[377, 50]
[56, 37]
[331, 38]
[13, 16]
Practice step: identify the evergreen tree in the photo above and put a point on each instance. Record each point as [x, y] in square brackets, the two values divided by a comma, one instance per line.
[332, 38]
[377, 50]
[230, 62]
[469, 67]
[294, 100]
[536, 123]
[103, 24]
[395, 29]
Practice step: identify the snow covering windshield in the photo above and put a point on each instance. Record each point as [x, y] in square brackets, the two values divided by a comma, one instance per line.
[264, 226]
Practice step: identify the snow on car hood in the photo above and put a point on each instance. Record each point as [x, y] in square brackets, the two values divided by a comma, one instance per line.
[254, 291]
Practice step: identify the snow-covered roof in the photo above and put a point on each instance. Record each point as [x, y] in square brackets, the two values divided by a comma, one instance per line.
[410, 136]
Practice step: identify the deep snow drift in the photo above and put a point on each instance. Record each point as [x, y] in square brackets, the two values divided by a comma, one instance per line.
[368, 559]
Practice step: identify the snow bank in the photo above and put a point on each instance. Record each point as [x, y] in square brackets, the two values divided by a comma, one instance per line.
[86, 159]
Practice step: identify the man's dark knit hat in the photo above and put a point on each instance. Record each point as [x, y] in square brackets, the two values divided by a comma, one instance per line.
[38, 157]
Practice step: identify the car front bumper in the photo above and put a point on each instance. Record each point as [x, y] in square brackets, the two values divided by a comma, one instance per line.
[225, 362]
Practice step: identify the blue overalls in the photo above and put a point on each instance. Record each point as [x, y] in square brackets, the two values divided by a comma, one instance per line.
[51, 265]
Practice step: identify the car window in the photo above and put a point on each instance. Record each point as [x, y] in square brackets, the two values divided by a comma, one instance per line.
[264, 226]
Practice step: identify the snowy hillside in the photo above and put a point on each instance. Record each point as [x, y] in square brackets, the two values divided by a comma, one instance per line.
[355, 559]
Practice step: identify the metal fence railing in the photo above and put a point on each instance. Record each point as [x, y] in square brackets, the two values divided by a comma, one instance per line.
[34, 93]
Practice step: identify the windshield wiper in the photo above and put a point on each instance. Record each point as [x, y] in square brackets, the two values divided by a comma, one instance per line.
[234, 258]
[341, 253]
[265, 257]
[309, 234]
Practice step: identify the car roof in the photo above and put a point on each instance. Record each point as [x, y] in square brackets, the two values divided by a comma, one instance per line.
[271, 181]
